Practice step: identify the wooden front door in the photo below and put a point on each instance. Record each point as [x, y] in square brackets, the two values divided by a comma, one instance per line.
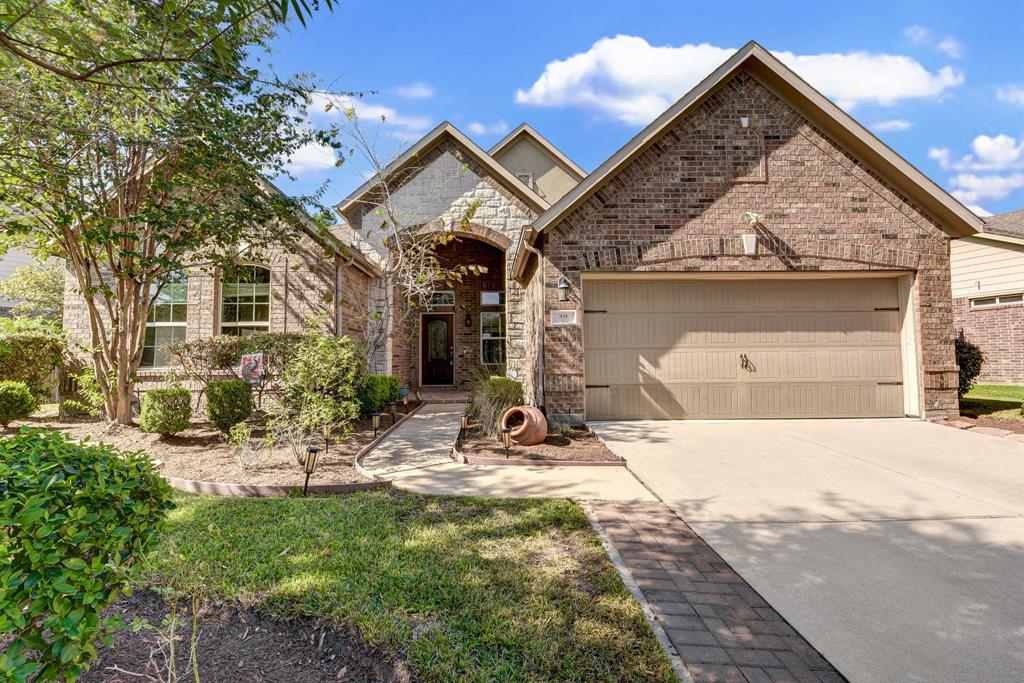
[437, 349]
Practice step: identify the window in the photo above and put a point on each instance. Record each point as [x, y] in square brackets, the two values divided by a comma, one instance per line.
[245, 301]
[166, 323]
[492, 338]
[1001, 300]
[492, 298]
[444, 297]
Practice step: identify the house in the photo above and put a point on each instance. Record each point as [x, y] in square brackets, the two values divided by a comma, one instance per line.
[988, 295]
[10, 262]
[753, 253]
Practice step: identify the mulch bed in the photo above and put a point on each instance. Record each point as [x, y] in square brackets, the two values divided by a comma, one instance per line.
[199, 453]
[1016, 426]
[235, 644]
[582, 446]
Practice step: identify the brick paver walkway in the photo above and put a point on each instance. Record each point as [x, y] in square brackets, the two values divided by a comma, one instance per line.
[722, 629]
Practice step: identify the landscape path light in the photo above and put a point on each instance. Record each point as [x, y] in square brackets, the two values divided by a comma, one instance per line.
[312, 454]
[376, 424]
[506, 439]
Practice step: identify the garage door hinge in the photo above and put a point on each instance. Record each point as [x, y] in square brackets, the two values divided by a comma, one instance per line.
[891, 384]
[888, 308]
[597, 386]
[594, 310]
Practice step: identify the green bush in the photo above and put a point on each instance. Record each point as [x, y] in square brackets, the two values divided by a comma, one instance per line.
[166, 411]
[377, 391]
[78, 520]
[970, 359]
[84, 396]
[32, 358]
[228, 402]
[490, 396]
[16, 402]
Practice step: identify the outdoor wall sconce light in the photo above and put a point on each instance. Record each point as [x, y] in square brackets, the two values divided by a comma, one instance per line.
[376, 424]
[312, 453]
[506, 440]
[469, 320]
[563, 288]
[744, 121]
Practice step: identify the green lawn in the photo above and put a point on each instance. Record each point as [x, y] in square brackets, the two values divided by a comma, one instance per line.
[1001, 401]
[465, 589]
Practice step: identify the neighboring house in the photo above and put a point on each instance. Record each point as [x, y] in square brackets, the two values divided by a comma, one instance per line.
[988, 295]
[754, 252]
[9, 262]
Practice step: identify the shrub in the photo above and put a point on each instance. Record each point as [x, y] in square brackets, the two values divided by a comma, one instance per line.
[319, 390]
[970, 359]
[84, 396]
[490, 396]
[78, 520]
[377, 391]
[166, 411]
[16, 402]
[32, 358]
[228, 402]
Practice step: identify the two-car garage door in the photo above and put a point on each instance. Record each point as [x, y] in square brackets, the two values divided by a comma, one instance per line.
[671, 349]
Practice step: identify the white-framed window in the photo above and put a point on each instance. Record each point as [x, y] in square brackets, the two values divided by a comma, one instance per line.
[1001, 300]
[492, 338]
[492, 298]
[245, 300]
[442, 297]
[166, 323]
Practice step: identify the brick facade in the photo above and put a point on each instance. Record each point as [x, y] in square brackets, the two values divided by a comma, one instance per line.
[678, 207]
[999, 333]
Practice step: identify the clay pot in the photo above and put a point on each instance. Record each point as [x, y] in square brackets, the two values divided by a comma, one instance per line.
[534, 427]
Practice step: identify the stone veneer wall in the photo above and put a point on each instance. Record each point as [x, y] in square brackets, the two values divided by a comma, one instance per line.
[438, 192]
[678, 207]
[999, 333]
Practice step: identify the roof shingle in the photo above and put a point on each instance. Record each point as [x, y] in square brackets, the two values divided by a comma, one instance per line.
[1010, 224]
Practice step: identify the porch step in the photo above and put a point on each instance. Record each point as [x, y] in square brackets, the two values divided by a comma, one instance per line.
[443, 395]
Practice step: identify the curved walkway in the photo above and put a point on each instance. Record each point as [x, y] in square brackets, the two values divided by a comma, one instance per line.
[416, 457]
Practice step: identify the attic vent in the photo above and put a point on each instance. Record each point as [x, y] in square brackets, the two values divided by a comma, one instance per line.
[747, 161]
[526, 178]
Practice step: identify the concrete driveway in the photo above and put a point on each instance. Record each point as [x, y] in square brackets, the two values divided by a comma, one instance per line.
[896, 547]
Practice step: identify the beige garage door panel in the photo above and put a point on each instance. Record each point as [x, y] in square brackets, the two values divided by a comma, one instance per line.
[712, 349]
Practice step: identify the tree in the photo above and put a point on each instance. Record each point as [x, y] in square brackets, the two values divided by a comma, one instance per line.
[132, 185]
[38, 289]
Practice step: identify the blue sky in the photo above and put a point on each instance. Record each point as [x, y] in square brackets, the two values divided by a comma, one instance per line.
[942, 83]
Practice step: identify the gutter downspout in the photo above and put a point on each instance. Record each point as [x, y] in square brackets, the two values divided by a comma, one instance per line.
[540, 304]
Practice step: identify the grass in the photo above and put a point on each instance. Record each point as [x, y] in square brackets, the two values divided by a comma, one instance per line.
[995, 400]
[464, 589]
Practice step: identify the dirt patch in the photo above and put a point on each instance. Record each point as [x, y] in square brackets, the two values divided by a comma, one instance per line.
[235, 644]
[995, 422]
[200, 453]
[582, 445]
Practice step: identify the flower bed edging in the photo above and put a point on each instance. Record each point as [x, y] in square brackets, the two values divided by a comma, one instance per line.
[217, 488]
[376, 442]
[460, 457]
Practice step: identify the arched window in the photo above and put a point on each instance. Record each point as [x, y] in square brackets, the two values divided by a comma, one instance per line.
[245, 300]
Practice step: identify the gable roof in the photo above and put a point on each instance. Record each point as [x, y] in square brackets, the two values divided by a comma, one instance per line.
[1009, 224]
[559, 157]
[428, 142]
[833, 120]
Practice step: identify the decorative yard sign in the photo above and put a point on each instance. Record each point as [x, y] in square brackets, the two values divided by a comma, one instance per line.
[563, 317]
[252, 368]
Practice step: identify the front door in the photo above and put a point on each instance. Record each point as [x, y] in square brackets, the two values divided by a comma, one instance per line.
[437, 352]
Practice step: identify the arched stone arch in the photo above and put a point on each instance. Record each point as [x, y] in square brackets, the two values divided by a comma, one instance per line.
[475, 230]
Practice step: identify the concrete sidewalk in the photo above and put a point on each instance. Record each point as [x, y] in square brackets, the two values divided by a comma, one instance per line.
[415, 457]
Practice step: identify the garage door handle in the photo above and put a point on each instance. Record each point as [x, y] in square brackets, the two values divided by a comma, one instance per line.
[597, 386]
[890, 384]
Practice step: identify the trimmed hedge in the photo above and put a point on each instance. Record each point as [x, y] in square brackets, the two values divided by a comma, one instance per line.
[166, 411]
[970, 359]
[377, 391]
[228, 402]
[78, 520]
[32, 358]
[16, 402]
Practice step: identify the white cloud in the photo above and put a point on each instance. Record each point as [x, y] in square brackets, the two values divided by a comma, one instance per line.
[950, 47]
[1013, 93]
[979, 211]
[892, 126]
[496, 128]
[629, 79]
[989, 153]
[420, 90]
[311, 157]
[918, 35]
[970, 188]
